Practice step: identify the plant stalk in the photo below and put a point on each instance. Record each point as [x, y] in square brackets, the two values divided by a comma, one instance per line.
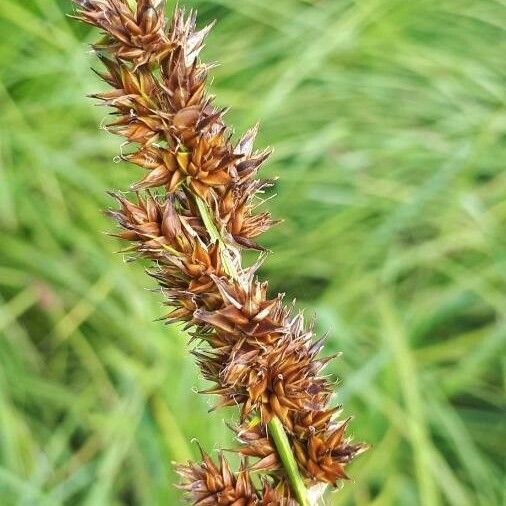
[278, 434]
[275, 427]
[214, 233]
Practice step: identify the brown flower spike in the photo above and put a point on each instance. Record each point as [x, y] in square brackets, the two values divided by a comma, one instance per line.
[192, 213]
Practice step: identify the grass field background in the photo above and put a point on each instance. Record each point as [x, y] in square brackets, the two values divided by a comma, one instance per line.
[388, 123]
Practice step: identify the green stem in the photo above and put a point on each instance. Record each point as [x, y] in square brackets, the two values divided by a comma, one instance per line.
[278, 434]
[275, 427]
[213, 232]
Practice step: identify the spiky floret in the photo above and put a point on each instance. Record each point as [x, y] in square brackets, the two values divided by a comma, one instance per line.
[258, 353]
[208, 483]
[137, 37]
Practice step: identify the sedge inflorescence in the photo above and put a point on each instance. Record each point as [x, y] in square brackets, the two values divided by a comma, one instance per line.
[192, 213]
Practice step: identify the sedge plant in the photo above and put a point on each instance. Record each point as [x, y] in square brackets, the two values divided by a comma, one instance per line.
[192, 215]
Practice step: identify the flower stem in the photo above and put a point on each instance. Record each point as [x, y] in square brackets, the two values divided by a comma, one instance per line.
[275, 427]
[214, 234]
[278, 434]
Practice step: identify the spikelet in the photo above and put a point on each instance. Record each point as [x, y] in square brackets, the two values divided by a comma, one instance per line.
[209, 484]
[193, 212]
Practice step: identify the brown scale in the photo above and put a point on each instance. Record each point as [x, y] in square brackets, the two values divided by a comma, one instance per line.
[136, 99]
[208, 484]
[139, 36]
[185, 263]
[324, 456]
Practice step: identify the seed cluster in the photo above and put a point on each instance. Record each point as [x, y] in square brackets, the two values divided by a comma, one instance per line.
[257, 352]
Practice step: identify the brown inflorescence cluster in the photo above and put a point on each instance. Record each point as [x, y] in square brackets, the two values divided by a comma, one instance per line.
[257, 352]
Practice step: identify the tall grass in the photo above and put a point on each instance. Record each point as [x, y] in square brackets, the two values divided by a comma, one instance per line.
[388, 121]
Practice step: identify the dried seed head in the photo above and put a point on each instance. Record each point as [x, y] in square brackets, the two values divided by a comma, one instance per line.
[210, 484]
[133, 36]
[256, 352]
[324, 456]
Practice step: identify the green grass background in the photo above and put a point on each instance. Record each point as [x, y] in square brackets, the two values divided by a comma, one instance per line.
[388, 121]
